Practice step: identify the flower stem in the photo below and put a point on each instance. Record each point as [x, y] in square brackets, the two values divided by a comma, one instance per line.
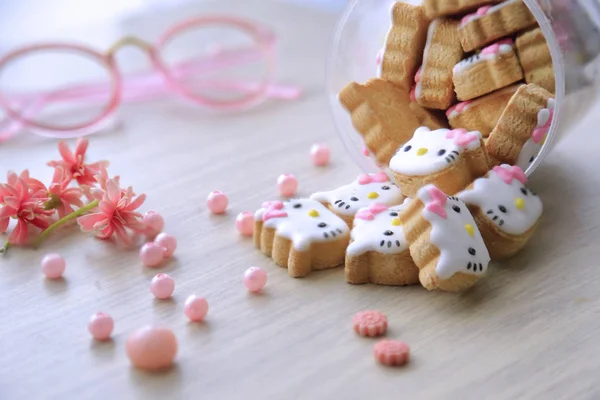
[4, 249]
[75, 214]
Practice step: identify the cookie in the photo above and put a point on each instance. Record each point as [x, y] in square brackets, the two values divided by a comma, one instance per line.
[495, 67]
[527, 116]
[433, 119]
[404, 45]
[378, 252]
[367, 189]
[480, 114]
[450, 159]
[442, 51]
[442, 8]
[533, 145]
[444, 241]
[506, 212]
[301, 235]
[536, 60]
[381, 113]
[491, 23]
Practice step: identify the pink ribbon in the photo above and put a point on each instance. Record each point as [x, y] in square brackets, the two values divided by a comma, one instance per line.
[495, 48]
[508, 173]
[368, 214]
[365, 179]
[539, 133]
[457, 107]
[273, 209]
[437, 203]
[461, 137]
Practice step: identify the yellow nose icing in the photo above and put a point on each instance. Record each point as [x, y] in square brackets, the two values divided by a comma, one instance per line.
[396, 222]
[422, 151]
[520, 203]
[373, 195]
[470, 229]
[313, 213]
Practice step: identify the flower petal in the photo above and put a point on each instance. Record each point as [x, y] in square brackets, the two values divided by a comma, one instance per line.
[106, 233]
[107, 208]
[4, 224]
[122, 234]
[20, 234]
[81, 148]
[65, 153]
[113, 191]
[88, 221]
[40, 222]
[134, 205]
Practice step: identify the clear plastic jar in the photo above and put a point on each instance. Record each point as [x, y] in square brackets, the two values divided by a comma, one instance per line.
[571, 28]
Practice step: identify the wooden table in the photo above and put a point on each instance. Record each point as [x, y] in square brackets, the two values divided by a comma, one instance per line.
[529, 330]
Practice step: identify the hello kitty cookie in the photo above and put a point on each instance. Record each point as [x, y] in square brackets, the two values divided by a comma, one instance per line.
[525, 120]
[506, 212]
[301, 235]
[450, 159]
[378, 252]
[367, 189]
[444, 241]
[495, 67]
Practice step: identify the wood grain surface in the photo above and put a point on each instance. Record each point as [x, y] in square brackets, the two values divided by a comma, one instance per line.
[529, 330]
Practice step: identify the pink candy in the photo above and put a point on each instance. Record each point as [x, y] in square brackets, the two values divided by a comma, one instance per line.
[53, 266]
[255, 279]
[320, 154]
[217, 202]
[152, 348]
[245, 223]
[287, 185]
[101, 326]
[167, 243]
[162, 286]
[151, 254]
[154, 223]
[196, 308]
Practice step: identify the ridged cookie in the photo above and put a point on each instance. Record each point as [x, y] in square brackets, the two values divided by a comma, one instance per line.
[506, 212]
[442, 51]
[301, 235]
[444, 241]
[528, 115]
[442, 8]
[536, 60]
[491, 23]
[481, 114]
[496, 67]
[404, 45]
[381, 113]
[433, 119]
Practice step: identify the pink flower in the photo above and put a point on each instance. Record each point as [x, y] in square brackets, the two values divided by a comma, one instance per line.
[12, 179]
[92, 192]
[26, 204]
[74, 163]
[62, 197]
[115, 214]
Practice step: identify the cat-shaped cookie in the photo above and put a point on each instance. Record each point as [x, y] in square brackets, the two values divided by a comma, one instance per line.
[378, 252]
[301, 235]
[505, 211]
[367, 189]
[444, 241]
[450, 159]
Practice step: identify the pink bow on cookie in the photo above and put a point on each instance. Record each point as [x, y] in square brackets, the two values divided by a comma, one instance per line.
[365, 179]
[508, 173]
[437, 203]
[539, 133]
[461, 137]
[369, 213]
[273, 209]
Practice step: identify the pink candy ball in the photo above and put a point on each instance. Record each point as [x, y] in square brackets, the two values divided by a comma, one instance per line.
[151, 348]
[152, 255]
[217, 202]
[320, 154]
[196, 308]
[245, 223]
[101, 326]
[53, 266]
[154, 223]
[287, 185]
[255, 279]
[167, 242]
[162, 286]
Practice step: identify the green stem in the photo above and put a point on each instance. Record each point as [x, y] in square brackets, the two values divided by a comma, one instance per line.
[75, 214]
[5, 248]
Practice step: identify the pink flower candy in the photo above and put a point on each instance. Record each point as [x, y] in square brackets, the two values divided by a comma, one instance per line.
[287, 185]
[320, 154]
[162, 286]
[151, 254]
[245, 223]
[255, 279]
[217, 202]
[53, 266]
[101, 326]
[167, 243]
[196, 308]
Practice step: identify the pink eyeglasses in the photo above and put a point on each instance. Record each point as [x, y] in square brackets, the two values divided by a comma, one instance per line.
[234, 74]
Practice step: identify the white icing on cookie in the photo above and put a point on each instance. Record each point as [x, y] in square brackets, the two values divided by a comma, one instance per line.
[493, 53]
[430, 151]
[365, 190]
[534, 144]
[378, 229]
[303, 221]
[505, 200]
[454, 233]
